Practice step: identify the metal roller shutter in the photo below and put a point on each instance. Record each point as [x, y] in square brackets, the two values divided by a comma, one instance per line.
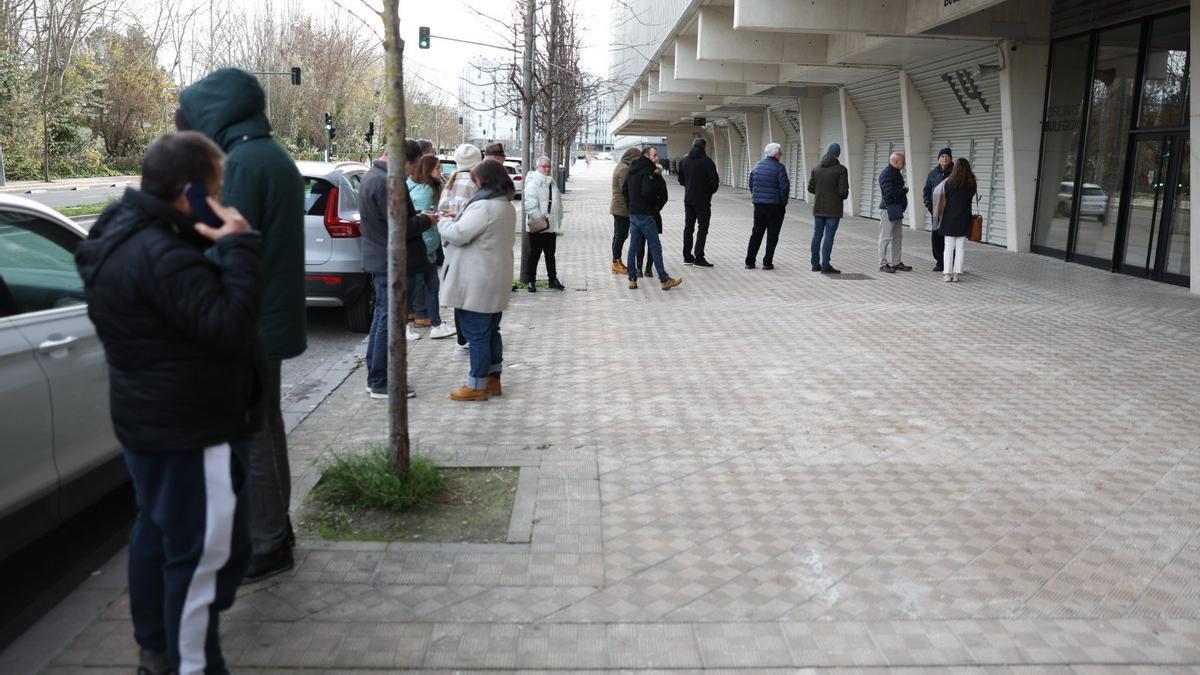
[877, 100]
[739, 140]
[789, 121]
[831, 120]
[966, 118]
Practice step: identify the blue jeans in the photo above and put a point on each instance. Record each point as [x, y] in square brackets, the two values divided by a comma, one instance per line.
[487, 349]
[824, 227]
[425, 296]
[377, 341]
[643, 227]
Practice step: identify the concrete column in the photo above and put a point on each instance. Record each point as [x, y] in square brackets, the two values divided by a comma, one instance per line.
[1195, 154]
[730, 147]
[854, 133]
[678, 145]
[756, 139]
[716, 149]
[772, 130]
[810, 136]
[1022, 98]
[918, 134]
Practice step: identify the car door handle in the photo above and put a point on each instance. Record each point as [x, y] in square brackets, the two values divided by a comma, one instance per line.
[56, 343]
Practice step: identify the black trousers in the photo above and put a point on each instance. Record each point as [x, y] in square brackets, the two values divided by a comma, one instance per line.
[768, 219]
[939, 247]
[542, 242]
[620, 234]
[693, 214]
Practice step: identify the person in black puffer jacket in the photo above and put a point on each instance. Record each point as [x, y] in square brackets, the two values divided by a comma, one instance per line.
[179, 331]
[698, 176]
[641, 194]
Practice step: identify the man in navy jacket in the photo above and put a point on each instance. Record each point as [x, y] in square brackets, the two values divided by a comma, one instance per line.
[769, 190]
[891, 217]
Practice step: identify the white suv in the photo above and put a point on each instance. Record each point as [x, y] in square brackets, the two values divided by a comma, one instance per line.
[333, 273]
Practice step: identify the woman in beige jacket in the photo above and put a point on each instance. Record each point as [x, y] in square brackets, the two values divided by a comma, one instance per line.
[477, 275]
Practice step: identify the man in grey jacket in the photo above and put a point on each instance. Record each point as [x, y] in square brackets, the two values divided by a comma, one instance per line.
[373, 209]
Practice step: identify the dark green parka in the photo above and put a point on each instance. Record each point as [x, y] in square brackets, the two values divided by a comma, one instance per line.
[262, 182]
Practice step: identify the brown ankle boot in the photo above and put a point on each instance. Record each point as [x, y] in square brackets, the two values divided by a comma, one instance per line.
[493, 386]
[468, 394]
[618, 268]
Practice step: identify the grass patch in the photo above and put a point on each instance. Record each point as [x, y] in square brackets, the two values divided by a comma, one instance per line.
[86, 209]
[359, 498]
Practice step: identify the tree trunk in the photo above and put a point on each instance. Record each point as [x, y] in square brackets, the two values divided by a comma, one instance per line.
[397, 255]
[527, 119]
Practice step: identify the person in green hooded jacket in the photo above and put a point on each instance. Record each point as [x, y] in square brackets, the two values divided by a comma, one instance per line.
[263, 184]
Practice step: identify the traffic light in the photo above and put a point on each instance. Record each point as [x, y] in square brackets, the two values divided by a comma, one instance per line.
[296, 75]
[328, 121]
[423, 37]
[370, 132]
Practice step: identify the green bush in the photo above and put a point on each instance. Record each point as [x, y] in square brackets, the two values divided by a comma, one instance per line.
[367, 481]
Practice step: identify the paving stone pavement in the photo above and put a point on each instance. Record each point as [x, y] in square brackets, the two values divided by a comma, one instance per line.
[778, 469]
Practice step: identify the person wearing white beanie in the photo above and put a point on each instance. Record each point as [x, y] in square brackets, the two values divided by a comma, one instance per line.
[459, 187]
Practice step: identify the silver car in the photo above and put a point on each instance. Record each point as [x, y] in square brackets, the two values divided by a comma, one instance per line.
[333, 273]
[58, 453]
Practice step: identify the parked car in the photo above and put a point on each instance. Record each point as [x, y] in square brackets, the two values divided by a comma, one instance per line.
[515, 173]
[1092, 201]
[333, 274]
[58, 453]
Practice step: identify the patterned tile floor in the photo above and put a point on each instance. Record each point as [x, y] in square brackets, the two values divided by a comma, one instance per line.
[780, 470]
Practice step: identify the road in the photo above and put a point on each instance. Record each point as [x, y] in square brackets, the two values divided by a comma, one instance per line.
[75, 192]
[42, 574]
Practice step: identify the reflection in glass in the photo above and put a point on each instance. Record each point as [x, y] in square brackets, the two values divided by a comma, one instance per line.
[1179, 245]
[1150, 163]
[1111, 109]
[1060, 129]
[1165, 87]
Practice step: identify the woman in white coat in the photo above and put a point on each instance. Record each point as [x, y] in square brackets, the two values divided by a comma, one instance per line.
[542, 200]
[477, 274]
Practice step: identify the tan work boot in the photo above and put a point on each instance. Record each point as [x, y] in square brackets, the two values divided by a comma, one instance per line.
[423, 323]
[619, 268]
[633, 284]
[671, 283]
[493, 386]
[468, 394]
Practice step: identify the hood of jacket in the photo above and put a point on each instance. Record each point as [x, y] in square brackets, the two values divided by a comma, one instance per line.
[640, 166]
[133, 213]
[227, 106]
[828, 161]
[630, 155]
[696, 152]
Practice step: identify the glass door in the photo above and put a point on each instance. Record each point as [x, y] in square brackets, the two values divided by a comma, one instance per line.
[1158, 215]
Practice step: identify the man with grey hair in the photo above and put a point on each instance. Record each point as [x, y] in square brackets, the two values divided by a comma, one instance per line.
[891, 216]
[769, 190]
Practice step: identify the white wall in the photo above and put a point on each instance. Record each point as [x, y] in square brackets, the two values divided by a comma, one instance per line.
[918, 133]
[1195, 145]
[1022, 98]
[810, 135]
[854, 133]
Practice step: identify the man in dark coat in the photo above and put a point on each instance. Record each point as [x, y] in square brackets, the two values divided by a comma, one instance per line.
[940, 172]
[830, 184]
[643, 197]
[262, 182]
[698, 176]
[178, 328]
[891, 217]
[769, 190]
[373, 210]
[619, 208]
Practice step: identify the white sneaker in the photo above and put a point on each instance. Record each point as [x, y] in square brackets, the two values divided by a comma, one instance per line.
[412, 334]
[442, 330]
[463, 348]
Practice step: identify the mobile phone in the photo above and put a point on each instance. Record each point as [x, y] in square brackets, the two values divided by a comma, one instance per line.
[197, 196]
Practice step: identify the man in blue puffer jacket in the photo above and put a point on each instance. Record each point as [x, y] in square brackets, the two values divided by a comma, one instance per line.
[769, 190]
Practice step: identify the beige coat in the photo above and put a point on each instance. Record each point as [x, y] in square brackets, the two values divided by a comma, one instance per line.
[618, 207]
[542, 198]
[478, 272]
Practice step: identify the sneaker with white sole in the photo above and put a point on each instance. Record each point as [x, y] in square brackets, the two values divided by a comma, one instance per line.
[442, 330]
[463, 348]
[411, 334]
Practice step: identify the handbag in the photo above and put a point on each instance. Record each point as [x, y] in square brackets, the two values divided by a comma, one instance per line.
[976, 224]
[539, 225]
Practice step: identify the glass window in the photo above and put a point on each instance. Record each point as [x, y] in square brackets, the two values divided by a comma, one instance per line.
[37, 265]
[1060, 142]
[316, 193]
[1164, 91]
[1179, 244]
[1111, 111]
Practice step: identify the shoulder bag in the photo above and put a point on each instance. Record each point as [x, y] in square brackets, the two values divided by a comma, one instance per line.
[539, 225]
[976, 223]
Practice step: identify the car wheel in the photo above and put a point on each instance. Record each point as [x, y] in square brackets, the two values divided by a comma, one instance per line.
[361, 311]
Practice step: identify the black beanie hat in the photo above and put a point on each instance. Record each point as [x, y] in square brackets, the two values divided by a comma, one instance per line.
[945, 151]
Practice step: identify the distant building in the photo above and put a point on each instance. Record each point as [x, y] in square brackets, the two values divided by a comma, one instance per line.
[485, 95]
[594, 135]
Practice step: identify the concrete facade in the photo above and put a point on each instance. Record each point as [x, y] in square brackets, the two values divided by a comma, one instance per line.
[971, 71]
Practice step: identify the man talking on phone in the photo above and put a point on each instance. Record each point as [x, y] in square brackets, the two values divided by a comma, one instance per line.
[178, 328]
[262, 182]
